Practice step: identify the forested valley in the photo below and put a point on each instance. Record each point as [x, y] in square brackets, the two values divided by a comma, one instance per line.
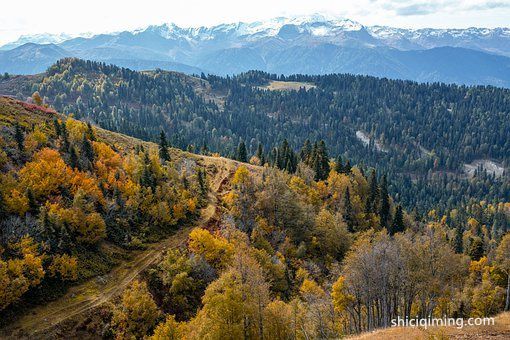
[423, 136]
[312, 234]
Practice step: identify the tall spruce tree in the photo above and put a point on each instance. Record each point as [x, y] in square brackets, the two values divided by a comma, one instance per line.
[373, 194]
[32, 203]
[306, 153]
[347, 167]
[287, 159]
[321, 161]
[73, 158]
[348, 214]
[202, 184]
[242, 155]
[476, 249]
[90, 132]
[147, 179]
[283, 154]
[19, 137]
[397, 226]
[274, 157]
[260, 154]
[164, 155]
[56, 125]
[86, 149]
[458, 241]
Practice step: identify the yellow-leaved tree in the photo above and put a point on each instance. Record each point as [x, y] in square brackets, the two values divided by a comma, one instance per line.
[137, 313]
[19, 274]
[216, 250]
[168, 330]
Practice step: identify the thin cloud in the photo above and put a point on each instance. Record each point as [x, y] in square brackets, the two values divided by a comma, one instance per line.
[417, 9]
[490, 5]
[421, 7]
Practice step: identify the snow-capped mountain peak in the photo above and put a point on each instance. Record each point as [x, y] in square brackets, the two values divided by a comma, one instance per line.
[316, 24]
[42, 38]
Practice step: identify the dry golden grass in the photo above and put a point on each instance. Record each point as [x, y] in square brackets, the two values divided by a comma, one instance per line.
[276, 85]
[499, 331]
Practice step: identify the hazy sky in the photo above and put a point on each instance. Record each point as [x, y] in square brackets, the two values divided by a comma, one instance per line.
[19, 17]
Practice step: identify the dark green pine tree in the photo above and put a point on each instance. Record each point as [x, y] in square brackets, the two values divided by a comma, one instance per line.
[287, 159]
[242, 154]
[458, 241]
[305, 154]
[164, 155]
[19, 137]
[397, 226]
[32, 203]
[339, 167]
[86, 149]
[384, 210]
[290, 163]
[283, 155]
[90, 132]
[321, 161]
[476, 250]
[147, 179]
[373, 194]
[348, 214]
[260, 154]
[56, 125]
[347, 167]
[273, 158]
[47, 229]
[73, 158]
[202, 184]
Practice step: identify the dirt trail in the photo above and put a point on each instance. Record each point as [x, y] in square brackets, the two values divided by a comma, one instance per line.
[96, 291]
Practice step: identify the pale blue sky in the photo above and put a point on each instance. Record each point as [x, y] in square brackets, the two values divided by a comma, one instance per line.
[55, 16]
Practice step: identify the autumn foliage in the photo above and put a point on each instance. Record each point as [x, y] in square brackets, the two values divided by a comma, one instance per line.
[67, 190]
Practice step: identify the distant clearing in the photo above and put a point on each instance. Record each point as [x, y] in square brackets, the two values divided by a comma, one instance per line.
[276, 85]
[365, 139]
[491, 167]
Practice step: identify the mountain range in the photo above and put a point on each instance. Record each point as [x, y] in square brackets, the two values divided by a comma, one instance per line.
[308, 44]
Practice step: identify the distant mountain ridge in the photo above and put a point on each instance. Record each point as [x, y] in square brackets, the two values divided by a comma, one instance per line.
[495, 40]
[312, 44]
